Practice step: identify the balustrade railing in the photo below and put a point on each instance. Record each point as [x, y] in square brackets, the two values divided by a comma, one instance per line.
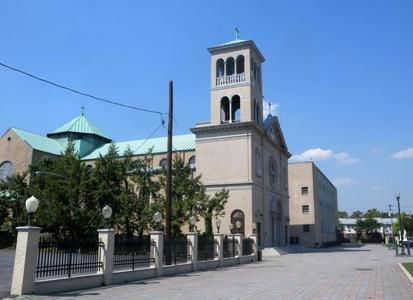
[132, 253]
[231, 79]
[65, 258]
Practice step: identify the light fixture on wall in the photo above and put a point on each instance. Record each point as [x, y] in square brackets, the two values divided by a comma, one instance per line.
[254, 228]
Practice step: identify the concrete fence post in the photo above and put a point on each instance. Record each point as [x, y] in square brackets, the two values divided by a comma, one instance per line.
[254, 245]
[219, 240]
[192, 238]
[25, 260]
[239, 237]
[107, 236]
[157, 251]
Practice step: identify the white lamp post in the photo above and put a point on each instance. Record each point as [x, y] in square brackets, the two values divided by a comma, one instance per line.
[31, 206]
[157, 218]
[107, 213]
[192, 221]
[218, 224]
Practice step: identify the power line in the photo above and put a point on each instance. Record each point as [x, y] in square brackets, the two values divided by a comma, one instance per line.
[150, 136]
[82, 93]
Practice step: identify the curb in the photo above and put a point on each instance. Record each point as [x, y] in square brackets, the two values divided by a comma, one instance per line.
[410, 277]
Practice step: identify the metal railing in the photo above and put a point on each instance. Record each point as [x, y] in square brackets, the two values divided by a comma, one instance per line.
[206, 249]
[230, 246]
[65, 258]
[178, 249]
[247, 246]
[132, 253]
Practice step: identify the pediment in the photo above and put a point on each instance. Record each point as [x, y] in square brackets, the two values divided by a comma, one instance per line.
[274, 133]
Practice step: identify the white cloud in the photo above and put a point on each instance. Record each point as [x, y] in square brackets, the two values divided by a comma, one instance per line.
[266, 108]
[339, 181]
[343, 158]
[404, 154]
[376, 188]
[319, 154]
[316, 154]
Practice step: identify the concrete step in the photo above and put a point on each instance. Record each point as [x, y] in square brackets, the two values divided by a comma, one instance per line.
[272, 251]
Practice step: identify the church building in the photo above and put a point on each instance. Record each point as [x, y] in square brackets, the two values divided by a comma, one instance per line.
[236, 149]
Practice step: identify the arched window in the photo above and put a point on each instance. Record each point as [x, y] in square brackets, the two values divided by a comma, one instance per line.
[238, 216]
[272, 171]
[163, 163]
[236, 108]
[230, 66]
[7, 169]
[192, 163]
[240, 64]
[220, 68]
[224, 110]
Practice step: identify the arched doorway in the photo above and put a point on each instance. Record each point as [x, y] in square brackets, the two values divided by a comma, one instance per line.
[238, 216]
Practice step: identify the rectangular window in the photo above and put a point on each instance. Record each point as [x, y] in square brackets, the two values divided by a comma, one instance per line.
[304, 190]
[306, 228]
[305, 209]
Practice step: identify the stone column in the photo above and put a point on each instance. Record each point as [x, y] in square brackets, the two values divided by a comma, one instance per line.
[107, 236]
[239, 237]
[254, 246]
[219, 240]
[157, 251]
[192, 238]
[25, 260]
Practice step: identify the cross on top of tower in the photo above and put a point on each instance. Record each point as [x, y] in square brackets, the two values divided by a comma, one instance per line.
[236, 32]
[269, 109]
[82, 108]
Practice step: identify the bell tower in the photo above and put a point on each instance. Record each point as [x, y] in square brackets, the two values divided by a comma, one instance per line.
[236, 83]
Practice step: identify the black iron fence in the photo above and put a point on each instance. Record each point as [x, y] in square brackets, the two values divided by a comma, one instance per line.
[178, 249]
[247, 246]
[206, 249]
[230, 246]
[132, 253]
[65, 258]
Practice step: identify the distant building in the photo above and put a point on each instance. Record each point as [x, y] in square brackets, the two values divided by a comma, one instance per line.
[348, 225]
[313, 205]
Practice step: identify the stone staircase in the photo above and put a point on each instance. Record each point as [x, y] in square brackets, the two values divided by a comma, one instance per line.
[283, 250]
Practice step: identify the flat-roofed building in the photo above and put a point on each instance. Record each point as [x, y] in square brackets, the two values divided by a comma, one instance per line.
[313, 205]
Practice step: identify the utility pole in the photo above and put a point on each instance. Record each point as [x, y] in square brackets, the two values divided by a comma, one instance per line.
[169, 179]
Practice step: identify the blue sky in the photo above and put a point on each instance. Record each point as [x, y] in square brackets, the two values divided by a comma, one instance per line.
[338, 72]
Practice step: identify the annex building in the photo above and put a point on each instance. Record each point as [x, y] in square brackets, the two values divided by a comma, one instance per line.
[313, 205]
[236, 149]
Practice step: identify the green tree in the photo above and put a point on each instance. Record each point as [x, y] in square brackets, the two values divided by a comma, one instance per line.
[407, 223]
[367, 226]
[372, 213]
[213, 207]
[356, 214]
[342, 214]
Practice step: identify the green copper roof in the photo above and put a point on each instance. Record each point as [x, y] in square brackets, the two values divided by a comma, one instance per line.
[79, 124]
[39, 142]
[141, 147]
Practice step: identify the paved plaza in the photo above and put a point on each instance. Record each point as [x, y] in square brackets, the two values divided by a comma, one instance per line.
[366, 272]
